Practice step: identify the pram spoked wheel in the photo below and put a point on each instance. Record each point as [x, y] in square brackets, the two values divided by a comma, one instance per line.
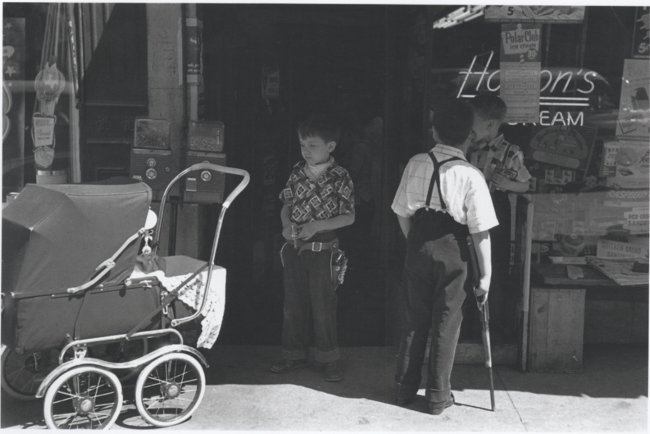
[86, 397]
[23, 373]
[169, 389]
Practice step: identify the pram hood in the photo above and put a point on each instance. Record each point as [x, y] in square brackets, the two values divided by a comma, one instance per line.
[54, 236]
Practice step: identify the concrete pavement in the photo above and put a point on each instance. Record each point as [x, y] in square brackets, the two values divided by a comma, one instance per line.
[610, 394]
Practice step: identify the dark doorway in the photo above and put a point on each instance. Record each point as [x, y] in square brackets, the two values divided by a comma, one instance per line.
[322, 58]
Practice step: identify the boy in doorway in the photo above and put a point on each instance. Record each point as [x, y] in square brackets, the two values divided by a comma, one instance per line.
[441, 200]
[318, 199]
[502, 164]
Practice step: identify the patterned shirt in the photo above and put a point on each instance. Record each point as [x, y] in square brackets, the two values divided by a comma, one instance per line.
[463, 188]
[500, 156]
[330, 195]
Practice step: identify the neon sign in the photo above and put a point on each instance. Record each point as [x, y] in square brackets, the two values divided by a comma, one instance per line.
[552, 82]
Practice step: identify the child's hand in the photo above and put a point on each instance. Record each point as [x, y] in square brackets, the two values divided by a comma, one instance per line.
[501, 182]
[307, 230]
[289, 232]
[482, 290]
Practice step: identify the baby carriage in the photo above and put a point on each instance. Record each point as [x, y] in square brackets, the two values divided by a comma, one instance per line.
[81, 312]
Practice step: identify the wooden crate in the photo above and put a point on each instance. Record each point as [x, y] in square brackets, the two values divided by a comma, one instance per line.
[556, 329]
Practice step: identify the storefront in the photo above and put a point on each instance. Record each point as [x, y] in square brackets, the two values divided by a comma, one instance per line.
[575, 80]
[177, 83]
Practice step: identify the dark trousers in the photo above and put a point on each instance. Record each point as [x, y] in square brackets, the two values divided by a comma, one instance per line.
[309, 306]
[435, 271]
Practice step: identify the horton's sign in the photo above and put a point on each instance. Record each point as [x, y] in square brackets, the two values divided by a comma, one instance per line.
[564, 93]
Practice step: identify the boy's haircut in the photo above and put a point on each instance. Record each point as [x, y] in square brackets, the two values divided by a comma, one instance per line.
[320, 125]
[452, 120]
[489, 106]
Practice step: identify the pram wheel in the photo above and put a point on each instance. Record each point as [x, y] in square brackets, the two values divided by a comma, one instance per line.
[86, 397]
[169, 389]
[23, 373]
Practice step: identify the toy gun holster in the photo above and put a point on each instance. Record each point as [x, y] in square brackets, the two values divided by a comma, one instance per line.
[338, 266]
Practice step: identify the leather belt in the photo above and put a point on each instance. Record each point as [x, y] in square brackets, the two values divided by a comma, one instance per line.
[318, 246]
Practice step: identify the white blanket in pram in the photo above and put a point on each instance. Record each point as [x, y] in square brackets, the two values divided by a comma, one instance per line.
[191, 295]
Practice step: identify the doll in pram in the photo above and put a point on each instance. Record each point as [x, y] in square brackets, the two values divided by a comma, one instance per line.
[82, 309]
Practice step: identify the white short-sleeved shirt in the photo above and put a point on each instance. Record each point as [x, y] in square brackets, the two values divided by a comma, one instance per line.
[463, 189]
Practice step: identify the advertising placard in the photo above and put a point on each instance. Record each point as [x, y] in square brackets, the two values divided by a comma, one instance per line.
[634, 108]
[636, 221]
[568, 147]
[520, 71]
[206, 136]
[43, 128]
[608, 161]
[194, 28]
[620, 271]
[558, 176]
[535, 14]
[617, 249]
[627, 164]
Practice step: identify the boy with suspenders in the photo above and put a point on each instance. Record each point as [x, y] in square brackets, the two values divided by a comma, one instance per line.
[441, 200]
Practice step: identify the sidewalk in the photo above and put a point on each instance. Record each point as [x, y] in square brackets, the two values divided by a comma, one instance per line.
[611, 394]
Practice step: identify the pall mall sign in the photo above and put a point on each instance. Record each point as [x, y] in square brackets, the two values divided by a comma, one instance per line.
[535, 14]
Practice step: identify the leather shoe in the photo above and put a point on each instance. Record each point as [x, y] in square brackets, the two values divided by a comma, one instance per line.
[285, 365]
[332, 371]
[436, 408]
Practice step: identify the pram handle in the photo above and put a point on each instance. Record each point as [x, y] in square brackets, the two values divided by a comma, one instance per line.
[224, 207]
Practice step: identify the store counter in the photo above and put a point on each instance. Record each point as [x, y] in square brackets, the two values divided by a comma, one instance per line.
[558, 311]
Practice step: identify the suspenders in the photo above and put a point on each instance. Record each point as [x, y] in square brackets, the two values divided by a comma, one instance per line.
[435, 179]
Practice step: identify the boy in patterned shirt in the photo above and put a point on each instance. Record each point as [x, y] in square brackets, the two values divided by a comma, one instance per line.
[502, 164]
[317, 200]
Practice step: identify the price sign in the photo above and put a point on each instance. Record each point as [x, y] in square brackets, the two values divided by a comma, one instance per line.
[43, 130]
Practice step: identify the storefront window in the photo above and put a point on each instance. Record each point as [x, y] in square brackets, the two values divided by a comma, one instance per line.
[584, 220]
[40, 82]
[592, 130]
